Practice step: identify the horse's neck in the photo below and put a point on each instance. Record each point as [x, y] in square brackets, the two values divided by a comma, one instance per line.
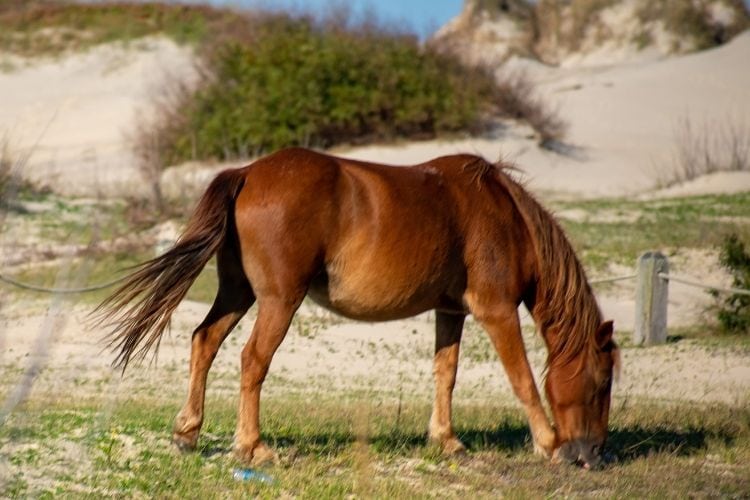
[565, 308]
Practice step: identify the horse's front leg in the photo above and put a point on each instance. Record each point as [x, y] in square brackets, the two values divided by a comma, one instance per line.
[504, 328]
[447, 341]
[274, 317]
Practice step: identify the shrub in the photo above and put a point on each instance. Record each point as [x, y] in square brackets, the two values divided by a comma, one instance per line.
[517, 99]
[294, 81]
[734, 313]
[691, 20]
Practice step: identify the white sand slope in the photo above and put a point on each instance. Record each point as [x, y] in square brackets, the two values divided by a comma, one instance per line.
[75, 112]
[623, 122]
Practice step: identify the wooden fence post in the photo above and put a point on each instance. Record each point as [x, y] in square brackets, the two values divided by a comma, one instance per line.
[651, 300]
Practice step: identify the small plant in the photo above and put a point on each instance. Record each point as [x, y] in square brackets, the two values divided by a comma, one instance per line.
[734, 314]
[11, 182]
[7, 165]
[708, 147]
[517, 99]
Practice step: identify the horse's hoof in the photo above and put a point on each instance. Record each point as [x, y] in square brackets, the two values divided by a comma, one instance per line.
[544, 443]
[453, 446]
[542, 451]
[184, 444]
[255, 456]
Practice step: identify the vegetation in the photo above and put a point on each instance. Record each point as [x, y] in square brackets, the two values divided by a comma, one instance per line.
[275, 80]
[7, 165]
[559, 27]
[708, 147]
[350, 445]
[11, 183]
[734, 314]
[517, 99]
[295, 81]
[40, 27]
[692, 21]
[617, 231]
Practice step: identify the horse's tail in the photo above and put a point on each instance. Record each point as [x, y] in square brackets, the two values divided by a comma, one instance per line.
[140, 309]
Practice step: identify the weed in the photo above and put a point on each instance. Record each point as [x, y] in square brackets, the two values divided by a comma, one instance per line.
[517, 99]
[734, 313]
[695, 222]
[42, 27]
[713, 146]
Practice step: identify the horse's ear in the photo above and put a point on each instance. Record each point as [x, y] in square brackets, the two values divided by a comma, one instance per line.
[604, 334]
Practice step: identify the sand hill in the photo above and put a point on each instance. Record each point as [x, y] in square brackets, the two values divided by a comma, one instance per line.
[583, 32]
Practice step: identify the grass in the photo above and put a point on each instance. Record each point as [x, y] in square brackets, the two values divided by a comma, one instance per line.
[707, 147]
[49, 28]
[618, 230]
[335, 446]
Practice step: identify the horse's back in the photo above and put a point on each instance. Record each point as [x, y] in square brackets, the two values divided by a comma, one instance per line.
[369, 241]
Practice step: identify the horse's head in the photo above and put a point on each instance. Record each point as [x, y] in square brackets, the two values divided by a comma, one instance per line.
[579, 394]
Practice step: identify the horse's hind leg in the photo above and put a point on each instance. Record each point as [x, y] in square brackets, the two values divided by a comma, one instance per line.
[447, 340]
[504, 328]
[274, 316]
[233, 299]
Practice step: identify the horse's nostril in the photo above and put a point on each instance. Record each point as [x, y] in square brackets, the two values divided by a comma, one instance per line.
[596, 450]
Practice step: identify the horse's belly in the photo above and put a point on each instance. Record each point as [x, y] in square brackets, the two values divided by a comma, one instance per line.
[374, 296]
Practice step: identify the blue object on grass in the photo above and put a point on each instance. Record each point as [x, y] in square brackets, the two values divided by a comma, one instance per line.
[251, 475]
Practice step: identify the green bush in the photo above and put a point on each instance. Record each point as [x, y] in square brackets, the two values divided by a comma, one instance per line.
[294, 81]
[734, 314]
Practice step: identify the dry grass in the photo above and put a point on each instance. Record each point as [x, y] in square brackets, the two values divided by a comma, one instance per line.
[47, 27]
[517, 98]
[12, 163]
[692, 21]
[707, 147]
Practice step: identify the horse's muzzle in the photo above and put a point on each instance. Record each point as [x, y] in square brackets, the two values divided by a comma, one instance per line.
[586, 453]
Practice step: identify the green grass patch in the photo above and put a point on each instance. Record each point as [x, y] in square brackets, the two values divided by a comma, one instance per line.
[348, 444]
[48, 28]
[618, 230]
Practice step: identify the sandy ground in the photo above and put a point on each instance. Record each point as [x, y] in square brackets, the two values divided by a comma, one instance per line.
[324, 353]
[75, 113]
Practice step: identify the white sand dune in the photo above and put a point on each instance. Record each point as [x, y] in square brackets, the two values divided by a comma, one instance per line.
[623, 122]
[74, 113]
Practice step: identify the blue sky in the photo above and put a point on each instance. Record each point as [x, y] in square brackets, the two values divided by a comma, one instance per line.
[421, 16]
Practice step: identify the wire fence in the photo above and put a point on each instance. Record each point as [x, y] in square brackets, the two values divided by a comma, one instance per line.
[60, 291]
[598, 281]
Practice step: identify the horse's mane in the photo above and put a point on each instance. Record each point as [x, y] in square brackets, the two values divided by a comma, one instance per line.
[565, 309]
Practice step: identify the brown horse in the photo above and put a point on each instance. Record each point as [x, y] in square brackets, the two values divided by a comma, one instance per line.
[375, 242]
